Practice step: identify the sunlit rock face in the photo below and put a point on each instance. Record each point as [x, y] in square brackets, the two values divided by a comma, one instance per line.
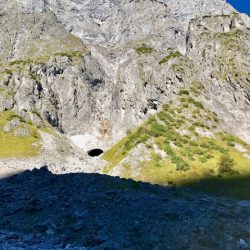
[171, 77]
[93, 68]
[115, 23]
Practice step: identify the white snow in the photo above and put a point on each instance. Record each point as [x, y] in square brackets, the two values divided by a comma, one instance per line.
[88, 142]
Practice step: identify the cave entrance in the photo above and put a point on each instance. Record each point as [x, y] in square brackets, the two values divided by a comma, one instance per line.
[95, 152]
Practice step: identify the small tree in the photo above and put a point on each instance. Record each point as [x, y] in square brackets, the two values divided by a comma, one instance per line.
[226, 165]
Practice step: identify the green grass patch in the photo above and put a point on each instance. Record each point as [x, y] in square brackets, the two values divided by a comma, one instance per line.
[2, 89]
[183, 92]
[170, 56]
[189, 158]
[196, 88]
[144, 50]
[70, 54]
[15, 146]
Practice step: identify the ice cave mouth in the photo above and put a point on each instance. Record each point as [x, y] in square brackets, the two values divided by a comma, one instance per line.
[95, 152]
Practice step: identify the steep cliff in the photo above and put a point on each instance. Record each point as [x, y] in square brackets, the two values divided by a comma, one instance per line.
[95, 70]
[152, 90]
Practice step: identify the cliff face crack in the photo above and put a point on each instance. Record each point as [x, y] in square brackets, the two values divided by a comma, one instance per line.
[95, 152]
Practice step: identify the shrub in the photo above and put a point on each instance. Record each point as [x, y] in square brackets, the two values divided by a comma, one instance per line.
[187, 137]
[178, 143]
[149, 146]
[196, 112]
[229, 139]
[184, 139]
[151, 120]
[11, 117]
[197, 151]
[185, 105]
[144, 50]
[205, 145]
[198, 105]
[158, 130]
[177, 124]
[70, 54]
[216, 119]
[179, 110]
[128, 132]
[205, 158]
[231, 144]
[165, 117]
[199, 124]
[194, 144]
[141, 135]
[226, 165]
[170, 56]
[156, 157]
[166, 107]
[192, 128]
[183, 92]
[181, 165]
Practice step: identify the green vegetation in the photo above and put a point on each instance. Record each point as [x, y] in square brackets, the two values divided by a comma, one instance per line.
[183, 92]
[5, 92]
[144, 50]
[12, 145]
[163, 128]
[232, 44]
[40, 60]
[190, 100]
[226, 165]
[170, 56]
[190, 158]
[231, 39]
[196, 88]
[24, 62]
[181, 164]
[2, 89]
[70, 54]
[7, 71]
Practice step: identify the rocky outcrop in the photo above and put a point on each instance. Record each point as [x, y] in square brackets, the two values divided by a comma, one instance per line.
[220, 45]
[171, 75]
[98, 69]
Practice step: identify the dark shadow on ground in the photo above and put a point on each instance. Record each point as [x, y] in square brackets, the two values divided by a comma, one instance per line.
[237, 187]
[40, 210]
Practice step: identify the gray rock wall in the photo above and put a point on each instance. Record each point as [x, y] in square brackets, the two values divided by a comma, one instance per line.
[110, 87]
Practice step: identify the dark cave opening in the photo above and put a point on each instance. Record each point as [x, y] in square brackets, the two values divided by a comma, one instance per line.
[95, 152]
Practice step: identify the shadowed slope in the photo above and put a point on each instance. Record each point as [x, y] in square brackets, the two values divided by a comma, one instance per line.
[234, 186]
[39, 210]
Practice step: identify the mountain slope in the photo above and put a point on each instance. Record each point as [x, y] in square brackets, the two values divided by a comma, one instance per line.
[186, 140]
[65, 67]
[161, 88]
[91, 211]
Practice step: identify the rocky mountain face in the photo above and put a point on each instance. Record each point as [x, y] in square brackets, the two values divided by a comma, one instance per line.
[95, 70]
[152, 90]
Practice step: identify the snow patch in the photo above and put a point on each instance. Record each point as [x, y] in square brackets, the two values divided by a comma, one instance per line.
[87, 142]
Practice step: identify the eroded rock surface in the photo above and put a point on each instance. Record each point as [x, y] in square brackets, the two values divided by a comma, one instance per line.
[90, 72]
[107, 86]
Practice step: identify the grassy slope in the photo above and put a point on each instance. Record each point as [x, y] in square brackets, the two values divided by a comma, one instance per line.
[17, 146]
[191, 158]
